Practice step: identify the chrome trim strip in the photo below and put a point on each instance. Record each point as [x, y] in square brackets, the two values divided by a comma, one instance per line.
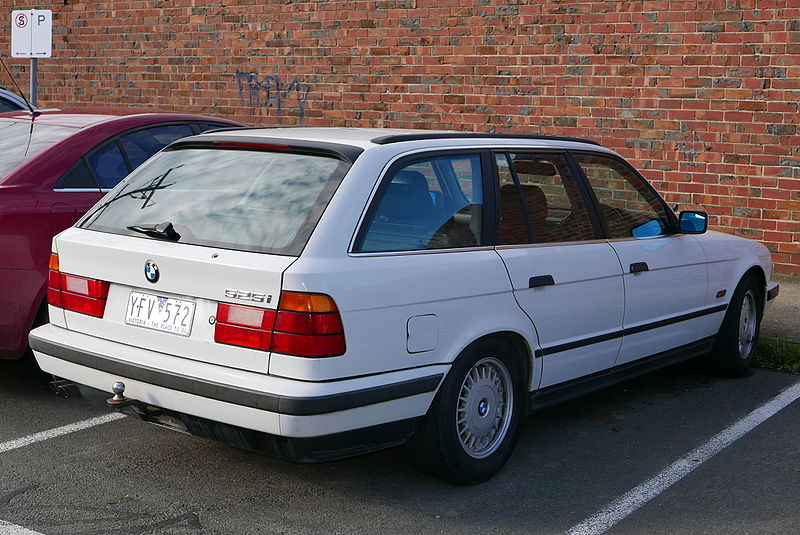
[82, 190]
[674, 235]
[548, 244]
[423, 251]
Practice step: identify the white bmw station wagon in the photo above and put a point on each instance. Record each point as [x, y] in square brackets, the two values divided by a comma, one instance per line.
[321, 293]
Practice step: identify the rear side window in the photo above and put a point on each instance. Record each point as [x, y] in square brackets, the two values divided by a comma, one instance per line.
[433, 203]
[109, 165]
[233, 199]
[142, 144]
[539, 201]
[78, 177]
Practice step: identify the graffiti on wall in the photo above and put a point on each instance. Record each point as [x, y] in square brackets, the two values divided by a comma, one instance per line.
[256, 91]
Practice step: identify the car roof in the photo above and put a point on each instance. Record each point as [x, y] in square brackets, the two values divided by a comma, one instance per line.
[83, 118]
[366, 138]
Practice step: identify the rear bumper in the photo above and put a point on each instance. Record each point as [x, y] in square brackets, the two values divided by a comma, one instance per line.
[304, 450]
[242, 399]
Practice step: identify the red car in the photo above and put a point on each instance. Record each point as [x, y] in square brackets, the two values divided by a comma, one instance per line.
[54, 166]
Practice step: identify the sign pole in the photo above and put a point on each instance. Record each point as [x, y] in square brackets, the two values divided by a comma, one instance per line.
[34, 76]
[32, 37]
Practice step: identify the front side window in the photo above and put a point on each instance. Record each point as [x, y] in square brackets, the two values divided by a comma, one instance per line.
[246, 200]
[431, 203]
[630, 208]
[540, 201]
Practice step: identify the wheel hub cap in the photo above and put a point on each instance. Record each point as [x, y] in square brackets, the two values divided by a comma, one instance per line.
[484, 408]
[748, 318]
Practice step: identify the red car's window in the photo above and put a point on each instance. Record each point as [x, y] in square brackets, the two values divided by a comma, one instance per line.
[109, 165]
[142, 144]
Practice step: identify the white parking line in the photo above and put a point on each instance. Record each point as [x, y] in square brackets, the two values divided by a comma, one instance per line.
[58, 431]
[633, 500]
[7, 528]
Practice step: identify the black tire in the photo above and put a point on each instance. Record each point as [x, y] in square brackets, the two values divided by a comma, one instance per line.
[439, 446]
[735, 346]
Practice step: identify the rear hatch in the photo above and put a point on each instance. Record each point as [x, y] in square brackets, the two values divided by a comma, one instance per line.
[198, 225]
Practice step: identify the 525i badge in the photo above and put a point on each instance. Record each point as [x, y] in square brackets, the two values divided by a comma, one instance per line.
[248, 296]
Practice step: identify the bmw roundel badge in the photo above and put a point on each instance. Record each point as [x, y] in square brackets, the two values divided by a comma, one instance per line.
[151, 272]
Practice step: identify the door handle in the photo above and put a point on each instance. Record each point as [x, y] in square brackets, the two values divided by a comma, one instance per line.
[637, 267]
[541, 280]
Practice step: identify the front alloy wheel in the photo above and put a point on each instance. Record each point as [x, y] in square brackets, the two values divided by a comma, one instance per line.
[748, 318]
[735, 347]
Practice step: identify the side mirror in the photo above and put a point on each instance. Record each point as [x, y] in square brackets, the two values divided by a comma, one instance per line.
[693, 222]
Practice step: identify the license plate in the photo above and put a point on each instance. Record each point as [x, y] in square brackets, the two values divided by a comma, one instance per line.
[165, 314]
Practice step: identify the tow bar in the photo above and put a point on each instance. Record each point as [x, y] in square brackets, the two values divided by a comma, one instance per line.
[119, 401]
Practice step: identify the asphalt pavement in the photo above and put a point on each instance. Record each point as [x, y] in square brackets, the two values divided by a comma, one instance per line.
[128, 477]
[573, 463]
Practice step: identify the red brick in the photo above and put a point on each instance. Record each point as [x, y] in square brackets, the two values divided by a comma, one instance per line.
[712, 106]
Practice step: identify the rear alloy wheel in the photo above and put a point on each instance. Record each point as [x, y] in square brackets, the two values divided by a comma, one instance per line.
[484, 408]
[472, 425]
[735, 346]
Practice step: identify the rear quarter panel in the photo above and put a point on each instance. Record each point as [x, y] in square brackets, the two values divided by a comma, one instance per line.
[468, 291]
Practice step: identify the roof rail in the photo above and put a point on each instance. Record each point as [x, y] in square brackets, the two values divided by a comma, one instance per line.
[397, 138]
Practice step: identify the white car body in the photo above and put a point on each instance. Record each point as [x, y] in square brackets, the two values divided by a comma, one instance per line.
[407, 315]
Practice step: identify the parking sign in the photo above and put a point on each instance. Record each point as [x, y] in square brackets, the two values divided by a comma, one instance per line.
[31, 33]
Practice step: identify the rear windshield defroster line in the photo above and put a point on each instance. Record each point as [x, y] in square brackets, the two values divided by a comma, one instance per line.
[266, 201]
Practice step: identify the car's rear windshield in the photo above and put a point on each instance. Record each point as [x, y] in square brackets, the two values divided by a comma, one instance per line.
[18, 141]
[246, 200]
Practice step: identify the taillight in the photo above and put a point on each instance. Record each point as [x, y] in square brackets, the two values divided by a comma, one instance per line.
[305, 325]
[79, 294]
[244, 326]
[308, 325]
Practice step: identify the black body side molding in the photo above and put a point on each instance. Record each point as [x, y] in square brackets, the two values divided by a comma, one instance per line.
[553, 395]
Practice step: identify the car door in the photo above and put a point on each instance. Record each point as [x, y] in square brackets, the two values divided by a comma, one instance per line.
[565, 278]
[665, 272]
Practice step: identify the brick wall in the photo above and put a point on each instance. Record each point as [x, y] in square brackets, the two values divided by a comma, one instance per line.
[701, 95]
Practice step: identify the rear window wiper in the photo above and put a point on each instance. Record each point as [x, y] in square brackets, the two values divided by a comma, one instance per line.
[146, 193]
[162, 231]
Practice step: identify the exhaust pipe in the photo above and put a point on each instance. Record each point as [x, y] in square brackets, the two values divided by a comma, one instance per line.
[64, 388]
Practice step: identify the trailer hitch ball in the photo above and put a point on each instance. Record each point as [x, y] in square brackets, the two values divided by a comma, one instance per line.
[118, 389]
[119, 400]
